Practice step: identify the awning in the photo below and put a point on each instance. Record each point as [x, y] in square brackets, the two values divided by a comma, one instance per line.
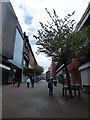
[4, 66]
[59, 70]
[84, 66]
[59, 73]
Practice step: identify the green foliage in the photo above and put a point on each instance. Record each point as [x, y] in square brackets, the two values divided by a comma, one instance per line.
[60, 40]
[38, 69]
[81, 45]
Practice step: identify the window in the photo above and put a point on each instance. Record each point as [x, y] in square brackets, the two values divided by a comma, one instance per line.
[18, 49]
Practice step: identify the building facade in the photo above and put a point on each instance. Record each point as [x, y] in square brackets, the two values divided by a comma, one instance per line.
[15, 51]
[28, 59]
[85, 19]
[85, 68]
[52, 69]
[12, 44]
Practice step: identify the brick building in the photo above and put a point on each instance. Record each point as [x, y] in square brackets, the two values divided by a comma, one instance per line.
[52, 69]
[28, 59]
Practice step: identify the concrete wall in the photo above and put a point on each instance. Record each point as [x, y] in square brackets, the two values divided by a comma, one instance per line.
[8, 30]
[85, 76]
[85, 73]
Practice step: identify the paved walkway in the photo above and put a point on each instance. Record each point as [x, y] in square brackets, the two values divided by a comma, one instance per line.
[35, 102]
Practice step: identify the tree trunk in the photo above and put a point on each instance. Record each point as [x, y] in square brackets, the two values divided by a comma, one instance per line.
[67, 75]
[68, 80]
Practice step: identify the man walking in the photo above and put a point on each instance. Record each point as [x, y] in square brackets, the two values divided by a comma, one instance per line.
[50, 86]
[32, 82]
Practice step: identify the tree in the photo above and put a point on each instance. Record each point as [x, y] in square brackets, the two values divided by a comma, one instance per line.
[38, 69]
[82, 46]
[60, 40]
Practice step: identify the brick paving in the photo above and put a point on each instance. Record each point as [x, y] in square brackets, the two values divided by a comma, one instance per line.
[22, 102]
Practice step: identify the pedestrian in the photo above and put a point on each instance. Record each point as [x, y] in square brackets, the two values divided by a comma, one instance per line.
[50, 86]
[18, 76]
[28, 82]
[32, 82]
[59, 79]
[62, 80]
[13, 81]
[18, 82]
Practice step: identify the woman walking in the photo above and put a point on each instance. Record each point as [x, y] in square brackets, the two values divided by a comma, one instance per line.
[28, 82]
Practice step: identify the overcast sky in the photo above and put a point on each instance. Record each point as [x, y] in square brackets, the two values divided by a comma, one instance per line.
[31, 12]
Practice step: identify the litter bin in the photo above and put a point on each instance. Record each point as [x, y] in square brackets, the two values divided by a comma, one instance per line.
[55, 83]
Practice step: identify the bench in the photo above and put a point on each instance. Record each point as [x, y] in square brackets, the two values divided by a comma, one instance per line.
[73, 88]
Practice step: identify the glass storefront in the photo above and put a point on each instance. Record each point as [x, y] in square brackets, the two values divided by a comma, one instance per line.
[18, 49]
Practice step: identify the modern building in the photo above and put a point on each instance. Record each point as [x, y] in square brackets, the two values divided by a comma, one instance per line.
[85, 68]
[85, 19]
[15, 51]
[12, 44]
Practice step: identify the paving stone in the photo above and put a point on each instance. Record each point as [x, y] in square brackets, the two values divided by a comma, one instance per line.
[23, 102]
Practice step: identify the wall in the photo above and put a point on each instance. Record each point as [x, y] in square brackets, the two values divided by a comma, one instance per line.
[32, 62]
[52, 68]
[85, 73]
[8, 30]
[85, 76]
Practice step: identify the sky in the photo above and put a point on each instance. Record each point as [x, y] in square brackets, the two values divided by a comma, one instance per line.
[31, 12]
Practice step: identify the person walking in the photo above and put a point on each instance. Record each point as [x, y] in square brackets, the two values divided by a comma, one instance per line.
[50, 86]
[62, 80]
[18, 82]
[18, 77]
[14, 81]
[28, 82]
[32, 82]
